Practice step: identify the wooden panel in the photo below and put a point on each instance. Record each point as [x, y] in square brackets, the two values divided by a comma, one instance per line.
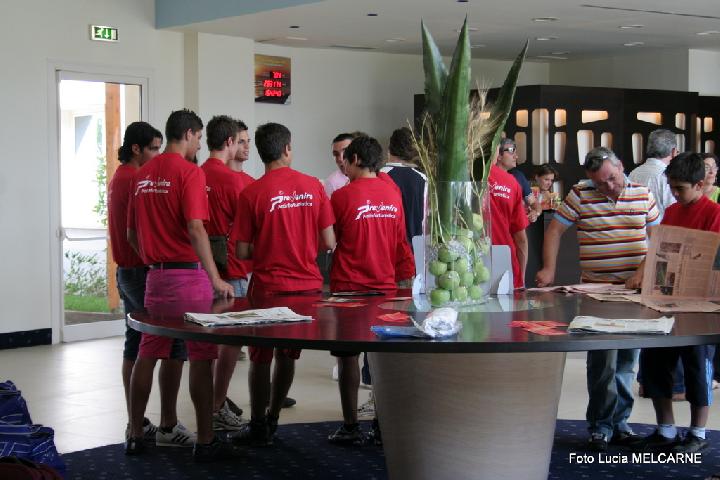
[113, 141]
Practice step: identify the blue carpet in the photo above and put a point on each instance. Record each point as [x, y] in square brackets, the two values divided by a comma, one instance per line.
[301, 451]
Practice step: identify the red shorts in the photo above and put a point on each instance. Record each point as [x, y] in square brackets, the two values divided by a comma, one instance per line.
[182, 291]
[265, 354]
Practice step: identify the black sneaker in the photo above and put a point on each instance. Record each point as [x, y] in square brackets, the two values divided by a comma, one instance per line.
[627, 438]
[690, 444]
[233, 408]
[134, 446]
[375, 437]
[272, 425]
[256, 433]
[598, 442]
[347, 435]
[289, 402]
[214, 451]
[657, 443]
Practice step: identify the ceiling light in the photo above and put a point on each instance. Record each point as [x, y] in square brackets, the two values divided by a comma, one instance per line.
[296, 38]
[395, 39]
[544, 19]
[709, 32]
[294, 26]
[462, 1]
[372, 14]
[545, 39]
[559, 53]
[627, 27]
[478, 45]
[470, 29]
[634, 44]
[552, 57]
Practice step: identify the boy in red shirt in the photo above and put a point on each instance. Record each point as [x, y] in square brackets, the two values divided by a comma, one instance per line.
[368, 211]
[141, 143]
[165, 225]
[281, 219]
[693, 209]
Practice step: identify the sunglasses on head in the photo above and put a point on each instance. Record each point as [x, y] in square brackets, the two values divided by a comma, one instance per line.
[508, 149]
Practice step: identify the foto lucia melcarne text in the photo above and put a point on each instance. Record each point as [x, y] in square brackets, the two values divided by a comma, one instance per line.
[638, 457]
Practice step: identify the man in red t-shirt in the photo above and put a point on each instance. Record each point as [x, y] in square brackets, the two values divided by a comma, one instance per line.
[685, 175]
[168, 206]
[141, 143]
[508, 219]
[280, 221]
[224, 187]
[372, 254]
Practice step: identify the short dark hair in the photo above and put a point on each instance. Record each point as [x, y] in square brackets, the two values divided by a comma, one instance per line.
[596, 157]
[343, 136]
[179, 122]
[271, 140]
[368, 151]
[686, 167]
[137, 133]
[546, 169]
[241, 126]
[402, 145]
[219, 129]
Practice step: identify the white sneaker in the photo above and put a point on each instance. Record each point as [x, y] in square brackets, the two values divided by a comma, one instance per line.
[367, 409]
[149, 430]
[178, 437]
[225, 419]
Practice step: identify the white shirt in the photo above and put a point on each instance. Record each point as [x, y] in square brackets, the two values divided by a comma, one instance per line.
[652, 175]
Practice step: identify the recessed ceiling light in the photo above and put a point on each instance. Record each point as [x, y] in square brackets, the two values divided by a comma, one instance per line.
[544, 19]
[545, 39]
[627, 27]
[372, 14]
[395, 39]
[709, 32]
[294, 26]
[478, 45]
[559, 53]
[470, 29]
[634, 44]
[551, 57]
[296, 38]
[462, 1]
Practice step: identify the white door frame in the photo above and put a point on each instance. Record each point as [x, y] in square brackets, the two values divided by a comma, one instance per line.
[57, 71]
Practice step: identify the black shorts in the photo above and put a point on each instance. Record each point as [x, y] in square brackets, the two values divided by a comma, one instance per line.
[658, 365]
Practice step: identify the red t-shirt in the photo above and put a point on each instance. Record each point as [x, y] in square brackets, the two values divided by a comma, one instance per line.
[223, 189]
[701, 215]
[371, 240]
[281, 214]
[169, 191]
[118, 197]
[507, 214]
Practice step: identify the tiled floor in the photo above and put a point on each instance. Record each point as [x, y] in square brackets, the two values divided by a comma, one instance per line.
[76, 389]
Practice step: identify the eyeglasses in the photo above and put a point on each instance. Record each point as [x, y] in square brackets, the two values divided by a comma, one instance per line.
[508, 149]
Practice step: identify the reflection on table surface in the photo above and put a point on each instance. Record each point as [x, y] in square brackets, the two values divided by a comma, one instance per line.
[494, 303]
[485, 328]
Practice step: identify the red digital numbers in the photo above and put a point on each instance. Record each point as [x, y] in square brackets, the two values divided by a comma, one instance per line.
[270, 92]
[277, 74]
[273, 87]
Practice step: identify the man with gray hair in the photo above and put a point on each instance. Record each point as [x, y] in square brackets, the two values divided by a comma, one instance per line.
[661, 148]
[613, 216]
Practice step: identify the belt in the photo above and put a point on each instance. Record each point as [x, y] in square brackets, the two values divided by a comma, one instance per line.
[174, 265]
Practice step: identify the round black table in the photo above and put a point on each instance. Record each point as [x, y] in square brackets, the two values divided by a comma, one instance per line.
[480, 405]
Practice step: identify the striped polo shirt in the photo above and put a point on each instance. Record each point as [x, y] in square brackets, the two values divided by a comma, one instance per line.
[611, 234]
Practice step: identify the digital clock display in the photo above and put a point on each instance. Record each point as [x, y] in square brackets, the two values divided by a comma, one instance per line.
[272, 79]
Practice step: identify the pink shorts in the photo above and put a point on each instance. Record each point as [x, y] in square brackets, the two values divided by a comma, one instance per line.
[178, 291]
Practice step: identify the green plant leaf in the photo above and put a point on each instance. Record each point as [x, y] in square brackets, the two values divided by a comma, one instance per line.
[499, 113]
[435, 73]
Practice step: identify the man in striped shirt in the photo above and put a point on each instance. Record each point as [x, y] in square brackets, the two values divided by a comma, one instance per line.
[613, 218]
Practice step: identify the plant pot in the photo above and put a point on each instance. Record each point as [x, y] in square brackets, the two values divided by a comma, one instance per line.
[457, 248]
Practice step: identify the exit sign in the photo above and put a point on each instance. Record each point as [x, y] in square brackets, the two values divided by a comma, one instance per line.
[103, 34]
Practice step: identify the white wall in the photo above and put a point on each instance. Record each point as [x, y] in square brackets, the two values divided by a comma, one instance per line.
[32, 34]
[704, 72]
[649, 69]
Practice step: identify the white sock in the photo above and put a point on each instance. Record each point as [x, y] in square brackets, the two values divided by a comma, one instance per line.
[667, 430]
[698, 432]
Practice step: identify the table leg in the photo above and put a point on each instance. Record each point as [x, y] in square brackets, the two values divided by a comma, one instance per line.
[458, 416]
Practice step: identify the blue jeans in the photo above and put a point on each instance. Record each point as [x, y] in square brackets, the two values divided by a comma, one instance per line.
[131, 286]
[240, 285]
[609, 381]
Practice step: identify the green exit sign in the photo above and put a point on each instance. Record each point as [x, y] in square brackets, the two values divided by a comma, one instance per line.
[103, 34]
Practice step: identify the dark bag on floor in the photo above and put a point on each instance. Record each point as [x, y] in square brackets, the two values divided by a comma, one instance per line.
[218, 245]
[13, 408]
[31, 442]
[14, 468]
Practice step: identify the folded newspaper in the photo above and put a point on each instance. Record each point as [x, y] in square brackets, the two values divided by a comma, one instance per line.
[584, 324]
[247, 317]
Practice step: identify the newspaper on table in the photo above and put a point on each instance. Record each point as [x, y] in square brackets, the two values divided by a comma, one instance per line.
[587, 324]
[247, 317]
[599, 289]
[682, 270]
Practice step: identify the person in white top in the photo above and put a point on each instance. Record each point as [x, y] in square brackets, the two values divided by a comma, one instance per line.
[337, 178]
[661, 148]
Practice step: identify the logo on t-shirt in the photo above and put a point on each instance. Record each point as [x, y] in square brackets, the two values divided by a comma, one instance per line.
[152, 186]
[294, 200]
[501, 191]
[376, 211]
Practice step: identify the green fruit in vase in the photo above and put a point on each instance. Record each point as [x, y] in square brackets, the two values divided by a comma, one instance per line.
[477, 222]
[446, 255]
[467, 279]
[460, 265]
[466, 243]
[475, 292]
[464, 233]
[483, 247]
[460, 294]
[439, 297]
[437, 267]
[482, 274]
[449, 280]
